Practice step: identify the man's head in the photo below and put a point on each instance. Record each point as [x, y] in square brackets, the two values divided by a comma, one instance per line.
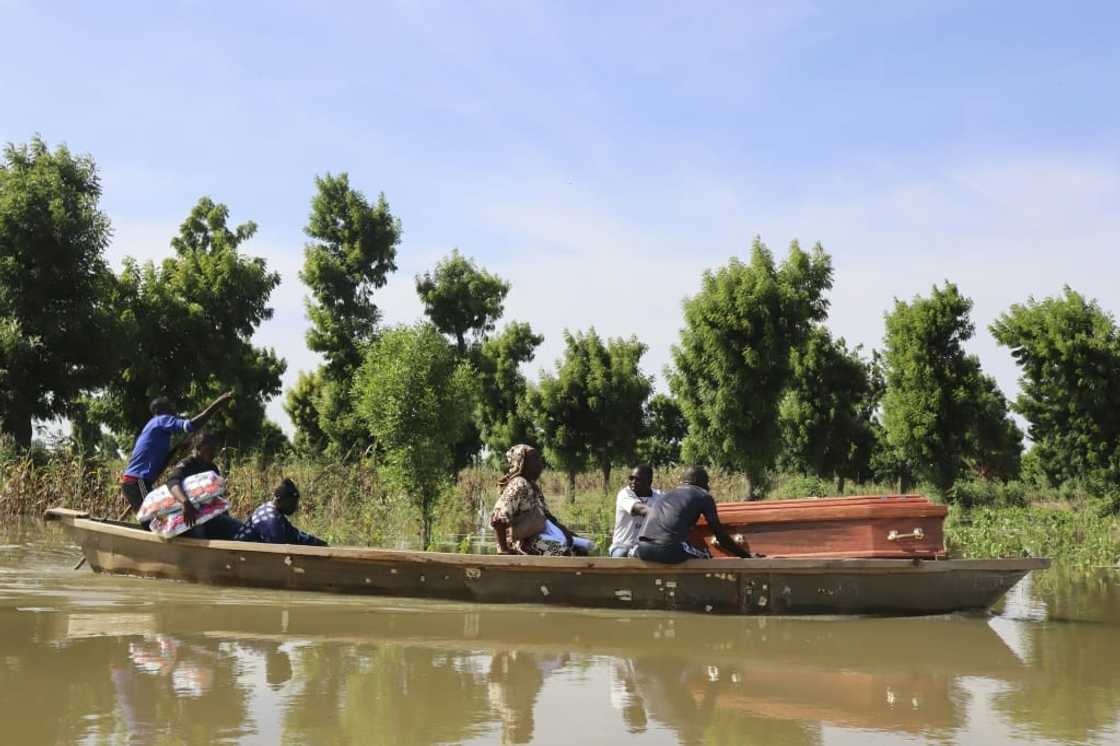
[641, 480]
[697, 476]
[286, 497]
[206, 446]
[161, 405]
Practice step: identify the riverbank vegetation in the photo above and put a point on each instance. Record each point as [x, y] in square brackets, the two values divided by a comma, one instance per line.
[398, 434]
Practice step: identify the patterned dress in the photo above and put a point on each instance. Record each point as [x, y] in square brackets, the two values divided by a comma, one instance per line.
[520, 495]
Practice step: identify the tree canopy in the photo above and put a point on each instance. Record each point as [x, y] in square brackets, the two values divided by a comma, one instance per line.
[590, 411]
[663, 431]
[503, 410]
[56, 328]
[415, 395]
[353, 250]
[826, 414]
[461, 298]
[186, 327]
[936, 396]
[732, 364]
[1068, 351]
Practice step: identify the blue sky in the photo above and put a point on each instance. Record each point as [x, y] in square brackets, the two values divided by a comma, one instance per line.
[602, 155]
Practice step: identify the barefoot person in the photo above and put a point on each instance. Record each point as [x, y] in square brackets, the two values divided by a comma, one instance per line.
[664, 537]
[153, 445]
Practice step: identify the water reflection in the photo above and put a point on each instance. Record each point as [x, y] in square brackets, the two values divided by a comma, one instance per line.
[112, 660]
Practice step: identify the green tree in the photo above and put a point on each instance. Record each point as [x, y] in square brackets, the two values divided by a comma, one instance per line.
[354, 248]
[302, 406]
[663, 431]
[461, 298]
[188, 324]
[732, 364]
[1068, 351]
[352, 252]
[590, 411]
[415, 395]
[503, 411]
[936, 395]
[826, 412]
[56, 328]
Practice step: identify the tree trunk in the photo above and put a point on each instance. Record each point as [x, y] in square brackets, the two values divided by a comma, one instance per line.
[425, 530]
[17, 423]
[904, 483]
[750, 486]
[840, 485]
[606, 469]
[461, 342]
[571, 486]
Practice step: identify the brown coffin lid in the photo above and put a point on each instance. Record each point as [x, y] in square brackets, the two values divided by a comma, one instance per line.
[829, 509]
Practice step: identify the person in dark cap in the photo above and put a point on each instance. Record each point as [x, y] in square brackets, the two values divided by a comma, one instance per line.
[152, 449]
[664, 536]
[270, 521]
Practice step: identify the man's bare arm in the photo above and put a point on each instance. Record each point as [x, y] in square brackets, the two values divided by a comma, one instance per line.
[200, 419]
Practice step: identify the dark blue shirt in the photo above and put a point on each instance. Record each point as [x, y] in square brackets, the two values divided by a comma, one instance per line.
[150, 451]
[273, 527]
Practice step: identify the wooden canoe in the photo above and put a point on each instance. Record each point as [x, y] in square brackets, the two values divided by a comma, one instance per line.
[886, 527]
[747, 587]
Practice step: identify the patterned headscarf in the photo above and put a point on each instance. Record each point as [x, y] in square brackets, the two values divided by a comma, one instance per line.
[516, 457]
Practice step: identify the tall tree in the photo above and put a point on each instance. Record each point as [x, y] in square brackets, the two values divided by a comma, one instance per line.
[56, 328]
[826, 413]
[188, 325]
[503, 415]
[302, 405]
[462, 298]
[415, 394]
[733, 361]
[590, 411]
[935, 391]
[663, 431]
[1068, 351]
[352, 252]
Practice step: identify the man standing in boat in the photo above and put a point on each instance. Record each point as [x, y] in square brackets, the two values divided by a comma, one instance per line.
[270, 521]
[664, 537]
[630, 509]
[153, 446]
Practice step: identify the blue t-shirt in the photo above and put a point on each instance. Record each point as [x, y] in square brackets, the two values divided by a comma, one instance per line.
[150, 451]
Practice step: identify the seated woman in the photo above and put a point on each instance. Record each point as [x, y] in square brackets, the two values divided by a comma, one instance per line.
[521, 521]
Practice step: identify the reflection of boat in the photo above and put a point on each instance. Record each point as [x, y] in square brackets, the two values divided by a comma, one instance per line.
[759, 586]
[887, 526]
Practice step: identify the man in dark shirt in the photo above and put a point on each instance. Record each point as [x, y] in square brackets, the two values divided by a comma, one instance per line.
[270, 521]
[664, 536]
[153, 445]
[201, 460]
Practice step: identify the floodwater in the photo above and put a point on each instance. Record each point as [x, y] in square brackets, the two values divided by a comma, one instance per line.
[92, 659]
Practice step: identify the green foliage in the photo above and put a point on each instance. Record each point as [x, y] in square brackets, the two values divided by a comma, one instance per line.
[940, 412]
[460, 298]
[826, 414]
[590, 411]
[663, 431]
[415, 396]
[1068, 350]
[732, 365]
[302, 405]
[56, 328]
[187, 326]
[1080, 538]
[354, 249]
[503, 415]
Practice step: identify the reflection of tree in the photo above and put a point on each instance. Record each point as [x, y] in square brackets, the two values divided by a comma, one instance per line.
[405, 694]
[1071, 690]
[514, 682]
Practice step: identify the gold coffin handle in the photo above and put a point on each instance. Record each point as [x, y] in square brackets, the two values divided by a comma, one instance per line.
[915, 534]
[737, 538]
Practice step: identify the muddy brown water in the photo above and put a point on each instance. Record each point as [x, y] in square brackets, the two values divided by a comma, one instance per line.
[92, 659]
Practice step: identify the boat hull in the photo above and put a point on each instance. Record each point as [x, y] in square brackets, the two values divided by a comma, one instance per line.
[744, 587]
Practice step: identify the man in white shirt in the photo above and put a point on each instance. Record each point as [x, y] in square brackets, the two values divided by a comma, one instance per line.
[630, 510]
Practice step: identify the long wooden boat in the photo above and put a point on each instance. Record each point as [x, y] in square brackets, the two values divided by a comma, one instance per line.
[876, 526]
[733, 586]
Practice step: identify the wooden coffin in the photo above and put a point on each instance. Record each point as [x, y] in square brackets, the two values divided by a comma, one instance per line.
[887, 526]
